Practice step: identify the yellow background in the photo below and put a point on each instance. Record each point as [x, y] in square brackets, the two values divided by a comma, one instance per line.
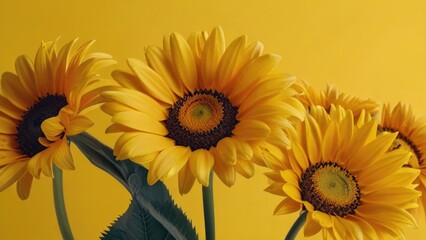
[368, 48]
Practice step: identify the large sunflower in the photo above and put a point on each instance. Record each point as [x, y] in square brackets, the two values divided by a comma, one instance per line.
[40, 106]
[197, 105]
[411, 137]
[347, 181]
[308, 95]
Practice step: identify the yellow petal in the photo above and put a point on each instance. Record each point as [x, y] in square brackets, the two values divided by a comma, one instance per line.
[213, 50]
[361, 137]
[251, 130]
[13, 90]
[264, 91]
[403, 199]
[23, 186]
[170, 161]
[226, 151]
[140, 121]
[367, 230]
[201, 163]
[186, 180]
[43, 69]
[268, 113]
[145, 159]
[25, 72]
[52, 128]
[62, 155]
[10, 109]
[78, 125]
[292, 191]
[10, 173]
[286, 206]
[256, 69]
[127, 80]
[63, 61]
[7, 125]
[197, 41]
[298, 160]
[153, 84]
[331, 142]
[253, 50]
[112, 108]
[245, 168]
[158, 61]
[371, 152]
[138, 101]
[228, 64]
[323, 219]
[183, 61]
[290, 176]
[117, 128]
[384, 214]
[276, 188]
[225, 172]
[387, 165]
[152, 178]
[130, 145]
[34, 165]
[314, 140]
[8, 142]
[274, 176]
[8, 157]
[46, 160]
[311, 227]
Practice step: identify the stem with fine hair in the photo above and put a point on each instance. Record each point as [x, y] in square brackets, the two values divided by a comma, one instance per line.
[294, 230]
[208, 205]
[58, 196]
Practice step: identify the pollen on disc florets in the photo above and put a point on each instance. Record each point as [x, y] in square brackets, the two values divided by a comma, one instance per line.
[29, 129]
[201, 119]
[330, 188]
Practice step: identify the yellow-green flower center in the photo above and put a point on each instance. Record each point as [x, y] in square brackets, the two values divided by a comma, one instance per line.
[29, 129]
[201, 119]
[201, 113]
[330, 188]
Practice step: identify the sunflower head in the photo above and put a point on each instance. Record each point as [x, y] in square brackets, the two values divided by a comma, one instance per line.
[411, 136]
[197, 105]
[40, 105]
[342, 173]
[309, 96]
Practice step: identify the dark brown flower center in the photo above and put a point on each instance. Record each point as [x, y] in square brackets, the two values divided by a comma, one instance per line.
[201, 119]
[29, 129]
[330, 188]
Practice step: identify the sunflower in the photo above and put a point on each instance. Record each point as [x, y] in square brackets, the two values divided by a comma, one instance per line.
[411, 137]
[346, 180]
[196, 105]
[40, 106]
[331, 95]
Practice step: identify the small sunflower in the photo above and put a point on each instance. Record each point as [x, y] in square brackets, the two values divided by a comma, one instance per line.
[197, 105]
[331, 95]
[40, 106]
[347, 181]
[411, 137]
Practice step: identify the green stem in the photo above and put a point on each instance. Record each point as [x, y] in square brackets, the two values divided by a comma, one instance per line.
[208, 205]
[61, 213]
[294, 230]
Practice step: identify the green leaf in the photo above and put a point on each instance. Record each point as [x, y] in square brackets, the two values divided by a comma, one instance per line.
[134, 218]
[152, 213]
